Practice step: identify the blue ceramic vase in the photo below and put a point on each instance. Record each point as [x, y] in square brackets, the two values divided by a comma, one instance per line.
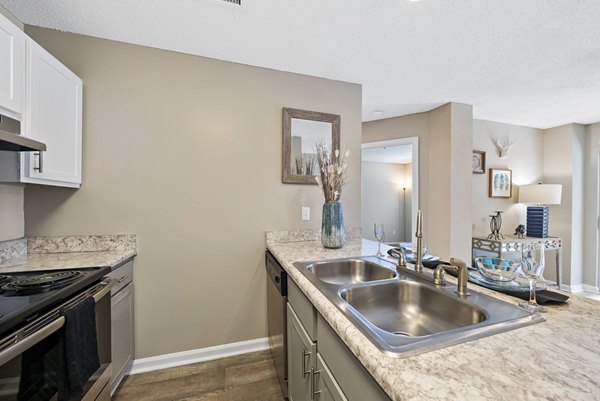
[333, 233]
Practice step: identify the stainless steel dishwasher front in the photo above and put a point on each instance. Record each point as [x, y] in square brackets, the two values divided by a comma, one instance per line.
[276, 314]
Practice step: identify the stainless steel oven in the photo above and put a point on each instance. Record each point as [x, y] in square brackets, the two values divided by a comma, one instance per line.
[40, 325]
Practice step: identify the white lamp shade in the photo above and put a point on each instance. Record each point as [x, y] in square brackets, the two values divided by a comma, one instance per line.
[540, 194]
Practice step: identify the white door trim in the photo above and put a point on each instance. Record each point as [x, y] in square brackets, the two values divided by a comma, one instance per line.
[597, 253]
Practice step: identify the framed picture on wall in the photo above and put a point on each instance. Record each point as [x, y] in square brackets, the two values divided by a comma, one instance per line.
[500, 183]
[478, 162]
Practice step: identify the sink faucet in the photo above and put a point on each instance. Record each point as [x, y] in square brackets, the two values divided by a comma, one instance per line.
[419, 236]
[438, 277]
[463, 275]
[418, 271]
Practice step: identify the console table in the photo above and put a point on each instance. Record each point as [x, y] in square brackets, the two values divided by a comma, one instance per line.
[512, 247]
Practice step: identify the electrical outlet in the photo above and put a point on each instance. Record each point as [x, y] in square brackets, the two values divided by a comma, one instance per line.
[305, 213]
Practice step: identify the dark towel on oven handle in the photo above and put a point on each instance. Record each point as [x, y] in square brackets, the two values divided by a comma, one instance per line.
[80, 346]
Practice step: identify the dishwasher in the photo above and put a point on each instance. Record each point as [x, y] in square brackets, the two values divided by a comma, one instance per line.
[276, 315]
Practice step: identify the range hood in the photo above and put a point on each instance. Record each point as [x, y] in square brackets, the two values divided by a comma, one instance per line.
[18, 143]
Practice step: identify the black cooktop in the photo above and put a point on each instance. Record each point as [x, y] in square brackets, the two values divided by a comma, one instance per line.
[25, 296]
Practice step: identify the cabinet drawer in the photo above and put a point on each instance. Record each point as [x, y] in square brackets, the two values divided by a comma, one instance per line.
[303, 308]
[123, 275]
[352, 377]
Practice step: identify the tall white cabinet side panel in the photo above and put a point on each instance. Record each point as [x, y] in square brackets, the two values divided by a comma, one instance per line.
[12, 68]
[53, 115]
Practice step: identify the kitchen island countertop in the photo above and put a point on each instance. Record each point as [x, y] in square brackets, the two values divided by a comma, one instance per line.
[555, 360]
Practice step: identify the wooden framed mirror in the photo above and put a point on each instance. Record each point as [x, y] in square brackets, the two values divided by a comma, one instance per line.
[302, 131]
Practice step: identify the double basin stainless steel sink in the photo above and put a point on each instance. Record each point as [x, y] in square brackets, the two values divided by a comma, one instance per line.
[404, 316]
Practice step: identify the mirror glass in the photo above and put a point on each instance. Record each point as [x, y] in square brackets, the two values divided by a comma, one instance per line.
[302, 131]
[306, 134]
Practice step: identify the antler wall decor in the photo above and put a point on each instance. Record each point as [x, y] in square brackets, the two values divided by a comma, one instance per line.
[503, 145]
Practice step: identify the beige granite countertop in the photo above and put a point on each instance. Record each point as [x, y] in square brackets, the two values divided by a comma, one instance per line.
[555, 360]
[66, 252]
[67, 260]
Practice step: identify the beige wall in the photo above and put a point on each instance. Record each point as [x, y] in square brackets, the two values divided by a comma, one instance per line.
[405, 127]
[461, 186]
[382, 199]
[449, 187]
[591, 201]
[439, 198]
[186, 153]
[12, 223]
[563, 164]
[526, 161]
[445, 136]
[407, 200]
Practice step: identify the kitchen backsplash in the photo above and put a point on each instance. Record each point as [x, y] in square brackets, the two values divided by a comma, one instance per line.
[306, 235]
[13, 249]
[81, 243]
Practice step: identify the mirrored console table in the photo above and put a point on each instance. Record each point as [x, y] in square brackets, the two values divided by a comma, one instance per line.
[512, 247]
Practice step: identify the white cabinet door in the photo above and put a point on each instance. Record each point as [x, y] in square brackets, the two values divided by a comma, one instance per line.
[12, 68]
[53, 114]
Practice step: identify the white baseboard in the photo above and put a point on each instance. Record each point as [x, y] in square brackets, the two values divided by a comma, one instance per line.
[572, 288]
[591, 288]
[158, 362]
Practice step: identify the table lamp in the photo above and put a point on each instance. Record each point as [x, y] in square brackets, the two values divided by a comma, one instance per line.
[537, 216]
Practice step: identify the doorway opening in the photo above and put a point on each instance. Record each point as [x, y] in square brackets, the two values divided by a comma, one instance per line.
[390, 188]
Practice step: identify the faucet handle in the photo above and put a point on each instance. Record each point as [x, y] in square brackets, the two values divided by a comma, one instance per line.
[401, 260]
[439, 275]
[457, 262]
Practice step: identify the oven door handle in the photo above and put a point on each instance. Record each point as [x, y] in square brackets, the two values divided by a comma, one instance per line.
[30, 341]
[108, 286]
[21, 344]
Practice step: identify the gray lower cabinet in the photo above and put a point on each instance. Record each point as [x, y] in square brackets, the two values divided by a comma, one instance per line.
[325, 386]
[320, 365]
[301, 358]
[349, 373]
[122, 338]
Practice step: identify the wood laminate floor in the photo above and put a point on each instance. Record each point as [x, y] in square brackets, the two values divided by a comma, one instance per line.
[248, 377]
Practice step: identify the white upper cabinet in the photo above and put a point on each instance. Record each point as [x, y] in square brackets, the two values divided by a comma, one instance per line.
[53, 114]
[12, 68]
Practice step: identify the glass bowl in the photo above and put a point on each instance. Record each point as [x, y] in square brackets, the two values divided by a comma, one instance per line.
[497, 269]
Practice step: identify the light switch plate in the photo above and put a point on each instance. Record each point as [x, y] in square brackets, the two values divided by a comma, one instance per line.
[305, 213]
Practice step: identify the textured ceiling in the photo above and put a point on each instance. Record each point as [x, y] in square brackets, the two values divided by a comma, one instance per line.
[534, 62]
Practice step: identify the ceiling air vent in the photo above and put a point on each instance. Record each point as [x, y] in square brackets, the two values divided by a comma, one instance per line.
[236, 2]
